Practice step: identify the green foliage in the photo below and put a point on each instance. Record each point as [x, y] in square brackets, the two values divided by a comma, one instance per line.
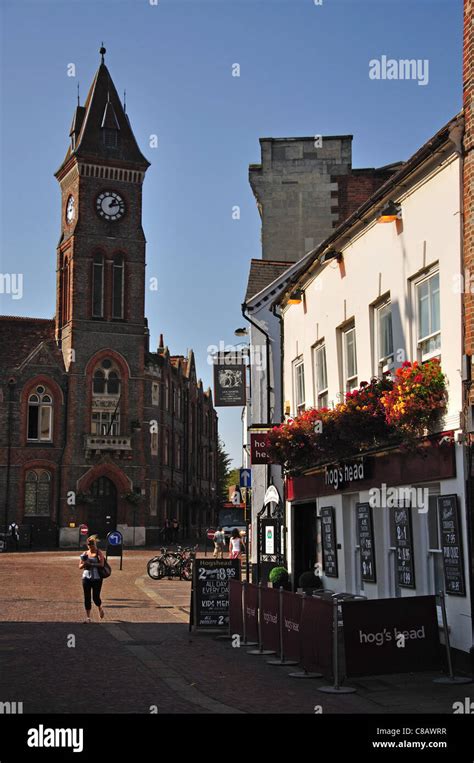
[309, 580]
[223, 472]
[278, 576]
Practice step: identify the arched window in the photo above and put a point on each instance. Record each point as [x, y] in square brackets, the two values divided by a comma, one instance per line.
[106, 386]
[98, 286]
[40, 415]
[118, 287]
[38, 493]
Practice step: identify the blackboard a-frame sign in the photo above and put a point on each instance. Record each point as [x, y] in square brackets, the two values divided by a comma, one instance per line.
[210, 592]
[451, 545]
[405, 558]
[365, 537]
[329, 541]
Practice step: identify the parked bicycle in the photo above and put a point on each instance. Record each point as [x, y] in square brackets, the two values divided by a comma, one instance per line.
[171, 564]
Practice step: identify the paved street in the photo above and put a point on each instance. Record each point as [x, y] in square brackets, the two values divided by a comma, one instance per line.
[142, 654]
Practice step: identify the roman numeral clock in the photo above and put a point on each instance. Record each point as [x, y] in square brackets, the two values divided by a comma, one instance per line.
[110, 206]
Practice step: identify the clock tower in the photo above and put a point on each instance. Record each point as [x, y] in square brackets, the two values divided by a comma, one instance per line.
[101, 251]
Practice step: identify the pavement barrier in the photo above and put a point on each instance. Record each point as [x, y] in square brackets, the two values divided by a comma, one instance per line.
[258, 609]
[250, 622]
[289, 607]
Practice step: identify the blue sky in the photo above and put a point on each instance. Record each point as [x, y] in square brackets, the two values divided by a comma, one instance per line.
[303, 71]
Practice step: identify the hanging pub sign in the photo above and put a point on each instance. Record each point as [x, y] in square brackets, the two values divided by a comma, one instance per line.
[404, 546]
[328, 530]
[451, 540]
[365, 535]
[259, 446]
[229, 379]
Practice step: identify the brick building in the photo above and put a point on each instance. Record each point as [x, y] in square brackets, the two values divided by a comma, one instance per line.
[94, 427]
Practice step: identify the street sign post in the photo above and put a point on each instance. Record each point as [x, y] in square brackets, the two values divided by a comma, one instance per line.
[114, 545]
[245, 478]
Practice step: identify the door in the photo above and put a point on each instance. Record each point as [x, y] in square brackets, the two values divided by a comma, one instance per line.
[102, 513]
[306, 541]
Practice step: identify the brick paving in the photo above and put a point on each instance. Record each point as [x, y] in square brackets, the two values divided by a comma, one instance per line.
[142, 655]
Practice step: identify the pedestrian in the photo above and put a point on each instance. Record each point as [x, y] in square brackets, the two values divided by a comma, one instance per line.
[175, 527]
[219, 543]
[236, 545]
[90, 562]
[15, 535]
[167, 532]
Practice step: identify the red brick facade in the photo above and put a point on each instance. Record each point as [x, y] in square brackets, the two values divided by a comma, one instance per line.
[95, 428]
[468, 90]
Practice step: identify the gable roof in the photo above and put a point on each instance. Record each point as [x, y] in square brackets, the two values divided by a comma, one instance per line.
[262, 273]
[20, 337]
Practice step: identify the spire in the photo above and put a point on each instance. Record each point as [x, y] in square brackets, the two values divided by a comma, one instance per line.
[101, 130]
[161, 345]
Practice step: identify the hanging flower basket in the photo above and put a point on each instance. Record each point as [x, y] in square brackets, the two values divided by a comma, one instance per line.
[133, 498]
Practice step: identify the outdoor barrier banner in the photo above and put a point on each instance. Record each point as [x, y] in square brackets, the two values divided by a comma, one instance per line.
[269, 619]
[391, 635]
[236, 621]
[291, 612]
[251, 611]
[316, 636]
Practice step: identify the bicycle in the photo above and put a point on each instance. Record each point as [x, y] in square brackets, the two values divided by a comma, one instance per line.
[172, 563]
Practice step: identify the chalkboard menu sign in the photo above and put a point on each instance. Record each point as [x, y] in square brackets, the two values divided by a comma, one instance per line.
[365, 534]
[404, 546]
[451, 543]
[210, 591]
[328, 529]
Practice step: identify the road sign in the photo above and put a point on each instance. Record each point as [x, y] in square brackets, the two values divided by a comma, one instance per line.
[245, 478]
[84, 530]
[114, 545]
[115, 538]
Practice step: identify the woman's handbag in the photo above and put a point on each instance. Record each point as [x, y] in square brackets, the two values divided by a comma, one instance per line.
[106, 570]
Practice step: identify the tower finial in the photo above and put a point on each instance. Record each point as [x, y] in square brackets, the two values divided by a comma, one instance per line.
[78, 96]
[125, 101]
[102, 52]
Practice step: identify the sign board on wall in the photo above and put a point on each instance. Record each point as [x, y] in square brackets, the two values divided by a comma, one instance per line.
[329, 541]
[365, 537]
[229, 379]
[451, 544]
[404, 546]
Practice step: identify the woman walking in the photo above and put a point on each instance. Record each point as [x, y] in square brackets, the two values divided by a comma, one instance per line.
[90, 562]
[236, 545]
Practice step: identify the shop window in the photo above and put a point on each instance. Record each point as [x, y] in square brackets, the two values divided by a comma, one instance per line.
[38, 493]
[154, 443]
[155, 393]
[428, 317]
[40, 415]
[166, 447]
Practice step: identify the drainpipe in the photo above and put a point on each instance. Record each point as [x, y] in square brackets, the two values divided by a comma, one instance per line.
[282, 355]
[456, 135]
[11, 388]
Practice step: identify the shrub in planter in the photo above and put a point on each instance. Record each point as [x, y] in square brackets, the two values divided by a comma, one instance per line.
[310, 580]
[279, 577]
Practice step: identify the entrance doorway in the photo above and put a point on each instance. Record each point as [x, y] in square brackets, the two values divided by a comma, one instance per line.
[307, 540]
[102, 513]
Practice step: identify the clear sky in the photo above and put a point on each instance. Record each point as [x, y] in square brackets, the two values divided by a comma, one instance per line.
[304, 70]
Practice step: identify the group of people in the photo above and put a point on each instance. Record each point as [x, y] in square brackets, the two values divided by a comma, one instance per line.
[236, 544]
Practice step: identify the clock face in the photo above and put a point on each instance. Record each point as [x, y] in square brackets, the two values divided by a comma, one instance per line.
[110, 206]
[70, 209]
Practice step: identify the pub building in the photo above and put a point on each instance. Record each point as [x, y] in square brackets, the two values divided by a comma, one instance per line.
[376, 296]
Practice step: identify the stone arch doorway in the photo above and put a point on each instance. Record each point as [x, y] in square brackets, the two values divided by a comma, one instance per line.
[102, 513]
